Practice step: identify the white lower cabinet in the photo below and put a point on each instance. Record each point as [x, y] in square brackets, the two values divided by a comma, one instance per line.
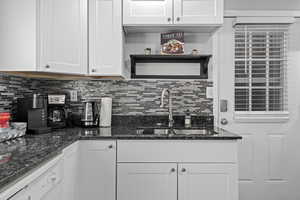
[23, 194]
[147, 181]
[48, 185]
[97, 170]
[70, 163]
[134, 170]
[162, 181]
[177, 170]
[207, 181]
[54, 194]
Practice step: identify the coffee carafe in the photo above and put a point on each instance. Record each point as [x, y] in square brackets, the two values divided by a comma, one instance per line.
[90, 116]
[56, 110]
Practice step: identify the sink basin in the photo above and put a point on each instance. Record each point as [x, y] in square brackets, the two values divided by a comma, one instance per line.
[166, 131]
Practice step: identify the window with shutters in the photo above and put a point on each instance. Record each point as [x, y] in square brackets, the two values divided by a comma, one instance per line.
[260, 67]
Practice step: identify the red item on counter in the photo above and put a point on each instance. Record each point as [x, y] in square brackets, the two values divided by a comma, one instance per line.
[4, 120]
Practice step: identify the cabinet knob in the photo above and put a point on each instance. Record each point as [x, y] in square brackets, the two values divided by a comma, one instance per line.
[169, 19]
[110, 146]
[47, 66]
[173, 170]
[183, 170]
[224, 121]
[93, 70]
[52, 178]
[178, 19]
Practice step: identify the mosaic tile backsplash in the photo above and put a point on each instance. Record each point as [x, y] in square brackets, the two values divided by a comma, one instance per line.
[130, 97]
[13, 87]
[139, 97]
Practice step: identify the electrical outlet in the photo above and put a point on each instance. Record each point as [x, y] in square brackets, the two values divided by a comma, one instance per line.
[209, 92]
[73, 95]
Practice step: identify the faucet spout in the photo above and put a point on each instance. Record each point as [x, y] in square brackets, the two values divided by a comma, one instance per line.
[171, 120]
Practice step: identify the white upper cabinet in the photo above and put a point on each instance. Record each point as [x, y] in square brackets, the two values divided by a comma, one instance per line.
[43, 35]
[105, 38]
[147, 12]
[176, 12]
[198, 12]
[18, 33]
[63, 33]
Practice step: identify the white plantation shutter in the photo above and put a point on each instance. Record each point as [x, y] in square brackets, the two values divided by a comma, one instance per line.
[260, 67]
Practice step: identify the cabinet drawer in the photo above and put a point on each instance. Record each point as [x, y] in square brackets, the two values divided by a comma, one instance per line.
[224, 151]
[88, 145]
[47, 181]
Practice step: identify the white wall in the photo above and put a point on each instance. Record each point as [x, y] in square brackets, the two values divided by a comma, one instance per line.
[262, 5]
[135, 43]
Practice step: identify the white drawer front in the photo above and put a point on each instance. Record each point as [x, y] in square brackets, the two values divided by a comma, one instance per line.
[208, 151]
[47, 181]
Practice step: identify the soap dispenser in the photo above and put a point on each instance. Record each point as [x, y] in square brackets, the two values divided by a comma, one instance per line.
[188, 119]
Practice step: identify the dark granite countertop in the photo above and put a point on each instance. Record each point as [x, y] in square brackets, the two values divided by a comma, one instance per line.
[17, 157]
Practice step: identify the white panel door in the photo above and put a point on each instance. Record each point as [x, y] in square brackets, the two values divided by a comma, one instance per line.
[105, 37]
[147, 181]
[63, 36]
[207, 181]
[97, 170]
[268, 153]
[198, 12]
[147, 12]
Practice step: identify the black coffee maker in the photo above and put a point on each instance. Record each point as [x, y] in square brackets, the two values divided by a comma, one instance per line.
[33, 110]
[57, 111]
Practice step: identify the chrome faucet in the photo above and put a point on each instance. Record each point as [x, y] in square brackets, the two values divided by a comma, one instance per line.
[171, 120]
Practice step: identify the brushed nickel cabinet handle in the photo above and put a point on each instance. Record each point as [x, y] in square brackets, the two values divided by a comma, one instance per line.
[169, 19]
[178, 19]
[110, 146]
[93, 70]
[47, 66]
[173, 170]
[183, 170]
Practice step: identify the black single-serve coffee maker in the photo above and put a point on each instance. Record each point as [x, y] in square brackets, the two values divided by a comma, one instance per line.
[33, 110]
[57, 116]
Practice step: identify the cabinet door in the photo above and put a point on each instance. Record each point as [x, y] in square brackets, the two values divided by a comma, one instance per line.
[147, 12]
[97, 170]
[207, 181]
[54, 194]
[147, 181]
[63, 36]
[18, 35]
[23, 194]
[199, 12]
[70, 163]
[105, 37]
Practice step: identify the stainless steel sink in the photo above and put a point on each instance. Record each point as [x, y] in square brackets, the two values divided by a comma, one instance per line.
[166, 131]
